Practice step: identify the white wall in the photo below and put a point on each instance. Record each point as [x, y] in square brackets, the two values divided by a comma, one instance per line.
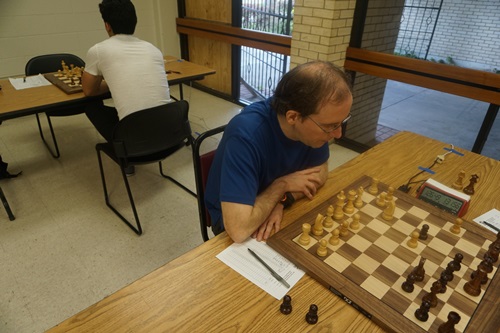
[34, 27]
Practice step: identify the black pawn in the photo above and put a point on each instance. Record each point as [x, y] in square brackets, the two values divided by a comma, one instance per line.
[423, 232]
[408, 284]
[494, 251]
[449, 326]
[457, 260]
[312, 315]
[444, 281]
[286, 306]
[422, 313]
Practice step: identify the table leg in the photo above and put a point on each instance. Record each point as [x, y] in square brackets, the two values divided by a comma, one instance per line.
[6, 205]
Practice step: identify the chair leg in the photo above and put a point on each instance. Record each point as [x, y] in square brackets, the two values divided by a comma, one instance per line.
[6, 205]
[138, 229]
[175, 181]
[55, 153]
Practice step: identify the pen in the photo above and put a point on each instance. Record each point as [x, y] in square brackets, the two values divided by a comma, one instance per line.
[490, 225]
[273, 273]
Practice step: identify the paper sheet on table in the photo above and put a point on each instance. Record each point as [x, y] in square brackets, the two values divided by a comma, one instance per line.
[29, 82]
[240, 259]
[490, 220]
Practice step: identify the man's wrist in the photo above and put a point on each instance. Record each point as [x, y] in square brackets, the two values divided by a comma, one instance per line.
[287, 200]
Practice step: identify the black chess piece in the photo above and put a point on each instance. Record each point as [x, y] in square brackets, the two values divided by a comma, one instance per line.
[444, 281]
[487, 266]
[469, 189]
[457, 260]
[494, 251]
[312, 315]
[423, 232]
[422, 313]
[449, 326]
[431, 296]
[419, 270]
[473, 287]
[286, 306]
[408, 285]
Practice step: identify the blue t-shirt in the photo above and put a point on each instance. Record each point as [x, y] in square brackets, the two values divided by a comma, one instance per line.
[253, 153]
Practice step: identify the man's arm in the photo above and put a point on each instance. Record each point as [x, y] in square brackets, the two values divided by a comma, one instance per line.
[93, 85]
[241, 221]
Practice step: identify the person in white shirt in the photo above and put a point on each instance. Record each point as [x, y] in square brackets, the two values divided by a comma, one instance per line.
[131, 69]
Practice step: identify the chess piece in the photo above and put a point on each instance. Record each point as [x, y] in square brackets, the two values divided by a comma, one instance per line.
[312, 315]
[444, 279]
[334, 239]
[381, 199]
[408, 285]
[473, 287]
[457, 260]
[487, 265]
[344, 229]
[355, 222]
[305, 238]
[390, 194]
[338, 213]
[459, 183]
[419, 271]
[373, 189]
[469, 189]
[423, 232]
[318, 225]
[286, 306]
[455, 228]
[328, 222]
[449, 326]
[358, 202]
[322, 251]
[431, 296]
[413, 241]
[422, 313]
[388, 213]
[449, 270]
[349, 207]
[493, 251]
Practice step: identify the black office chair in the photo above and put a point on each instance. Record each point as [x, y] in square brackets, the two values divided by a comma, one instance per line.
[144, 137]
[202, 164]
[47, 64]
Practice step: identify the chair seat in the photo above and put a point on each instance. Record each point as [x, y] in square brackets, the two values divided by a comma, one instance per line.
[109, 150]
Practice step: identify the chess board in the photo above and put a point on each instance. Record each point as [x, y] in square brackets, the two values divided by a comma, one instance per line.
[64, 82]
[368, 266]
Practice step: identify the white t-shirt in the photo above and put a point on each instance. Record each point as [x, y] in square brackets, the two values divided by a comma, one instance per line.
[134, 71]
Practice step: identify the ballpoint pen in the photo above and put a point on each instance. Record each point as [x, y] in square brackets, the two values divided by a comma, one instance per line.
[490, 225]
[273, 273]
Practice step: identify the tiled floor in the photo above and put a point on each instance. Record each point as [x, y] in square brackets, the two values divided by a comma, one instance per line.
[66, 250]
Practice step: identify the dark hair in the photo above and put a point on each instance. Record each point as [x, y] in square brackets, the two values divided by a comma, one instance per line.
[120, 14]
[309, 86]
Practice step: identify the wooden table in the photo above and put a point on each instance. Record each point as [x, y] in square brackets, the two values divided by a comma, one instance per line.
[198, 293]
[18, 103]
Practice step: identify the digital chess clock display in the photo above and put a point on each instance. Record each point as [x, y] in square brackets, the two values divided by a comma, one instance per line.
[444, 197]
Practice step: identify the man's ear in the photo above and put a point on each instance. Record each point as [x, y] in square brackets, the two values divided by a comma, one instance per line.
[292, 117]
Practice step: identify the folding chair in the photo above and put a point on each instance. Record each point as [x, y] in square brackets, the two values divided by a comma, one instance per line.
[145, 137]
[49, 63]
[202, 164]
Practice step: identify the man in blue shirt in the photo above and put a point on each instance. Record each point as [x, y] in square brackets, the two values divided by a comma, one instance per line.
[276, 151]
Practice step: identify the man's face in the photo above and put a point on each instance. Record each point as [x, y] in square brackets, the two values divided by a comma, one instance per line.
[321, 127]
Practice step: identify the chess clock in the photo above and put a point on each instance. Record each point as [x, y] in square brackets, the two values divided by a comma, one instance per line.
[444, 197]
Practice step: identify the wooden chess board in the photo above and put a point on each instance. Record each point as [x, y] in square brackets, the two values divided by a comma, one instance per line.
[64, 83]
[368, 266]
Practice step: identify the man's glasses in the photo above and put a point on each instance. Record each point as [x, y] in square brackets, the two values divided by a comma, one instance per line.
[334, 127]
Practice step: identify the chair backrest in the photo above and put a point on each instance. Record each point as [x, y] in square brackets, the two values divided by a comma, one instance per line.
[202, 164]
[49, 63]
[157, 132]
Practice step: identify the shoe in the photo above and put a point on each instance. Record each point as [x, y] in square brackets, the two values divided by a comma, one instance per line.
[130, 170]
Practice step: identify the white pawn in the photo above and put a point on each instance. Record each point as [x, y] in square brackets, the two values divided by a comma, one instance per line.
[381, 199]
[322, 251]
[413, 241]
[334, 239]
[373, 189]
[305, 238]
[455, 228]
[349, 207]
[358, 203]
[355, 222]
[344, 228]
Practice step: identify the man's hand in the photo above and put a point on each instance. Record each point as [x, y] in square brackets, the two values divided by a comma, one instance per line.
[305, 181]
[272, 222]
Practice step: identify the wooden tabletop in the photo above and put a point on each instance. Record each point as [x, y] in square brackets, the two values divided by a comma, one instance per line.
[17, 103]
[198, 293]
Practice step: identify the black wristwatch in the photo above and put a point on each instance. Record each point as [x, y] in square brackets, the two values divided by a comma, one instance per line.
[287, 200]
